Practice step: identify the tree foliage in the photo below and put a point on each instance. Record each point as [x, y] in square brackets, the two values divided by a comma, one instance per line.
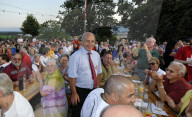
[163, 19]
[51, 29]
[141, 17]
[99, 15]
[175, 20]
[30, 26]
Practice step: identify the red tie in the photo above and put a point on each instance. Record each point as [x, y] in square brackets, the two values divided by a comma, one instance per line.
[94, 77]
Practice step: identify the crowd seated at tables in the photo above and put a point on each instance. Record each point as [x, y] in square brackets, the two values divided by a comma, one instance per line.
[31, 57]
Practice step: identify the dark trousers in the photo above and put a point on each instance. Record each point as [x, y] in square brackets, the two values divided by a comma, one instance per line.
[76, 109]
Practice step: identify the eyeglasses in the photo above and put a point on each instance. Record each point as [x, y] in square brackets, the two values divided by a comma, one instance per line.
[151, 63]
[17, 59]
[171, 71]
[63, 60]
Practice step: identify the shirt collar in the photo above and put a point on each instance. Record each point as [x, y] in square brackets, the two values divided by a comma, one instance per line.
[85, 51]
[36, 63]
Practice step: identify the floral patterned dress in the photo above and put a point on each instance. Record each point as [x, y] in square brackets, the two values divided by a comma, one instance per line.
[55, 103]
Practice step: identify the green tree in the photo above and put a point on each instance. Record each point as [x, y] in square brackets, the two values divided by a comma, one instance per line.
[141, 17]
[30, 26]
[99, 15]
[175, 20]
[51, 29]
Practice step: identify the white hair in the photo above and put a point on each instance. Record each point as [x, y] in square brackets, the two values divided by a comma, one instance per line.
[6, 85]
[152, 39]
[182, 68]
[53, 61]
[23, 50]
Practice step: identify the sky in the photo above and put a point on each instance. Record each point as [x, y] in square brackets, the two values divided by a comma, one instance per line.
[10, 19]
[13, 21]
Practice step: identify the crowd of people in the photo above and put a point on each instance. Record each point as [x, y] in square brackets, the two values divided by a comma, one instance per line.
[85, 69]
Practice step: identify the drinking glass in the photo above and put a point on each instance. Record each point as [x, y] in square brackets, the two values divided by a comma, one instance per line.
[159, 105]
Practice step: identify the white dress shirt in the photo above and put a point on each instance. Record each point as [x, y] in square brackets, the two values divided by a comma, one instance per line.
[92, 102]
[80, 69]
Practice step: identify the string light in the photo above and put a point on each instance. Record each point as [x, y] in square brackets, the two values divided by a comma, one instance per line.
[27, 13]
[33, 12]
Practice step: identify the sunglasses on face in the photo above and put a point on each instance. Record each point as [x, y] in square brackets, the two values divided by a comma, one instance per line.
[17, 59]
[151, 63]
[171, 71]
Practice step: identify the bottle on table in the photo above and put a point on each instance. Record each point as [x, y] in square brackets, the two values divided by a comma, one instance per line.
[146, 96]
[141, 90]
[20, 83]
[136, 92]
[148, 112]
[24, 82]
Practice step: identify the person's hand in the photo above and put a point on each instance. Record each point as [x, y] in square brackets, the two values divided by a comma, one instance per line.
[75, 98]
[145, 47]
[148, 72]
[170, 102]
[189, 109]
[112, 63]
[181, 43]
[156, 77]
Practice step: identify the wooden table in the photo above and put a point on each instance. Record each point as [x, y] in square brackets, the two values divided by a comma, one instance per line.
[31, 90]
[153, 98]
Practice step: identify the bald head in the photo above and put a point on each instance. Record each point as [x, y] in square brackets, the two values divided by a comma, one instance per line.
[87, 35]
[121, 111]
[88, 41]
[117, 84]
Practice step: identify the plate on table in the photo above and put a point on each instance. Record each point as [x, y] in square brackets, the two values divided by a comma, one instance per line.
[127, 75]
[136, 81]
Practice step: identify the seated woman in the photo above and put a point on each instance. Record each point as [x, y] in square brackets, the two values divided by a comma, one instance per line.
[120, 52]
[154, 66]
[185, 103]
[45, 56]
[63, 70]
[37, 66]
[52, 90]
[131, 63]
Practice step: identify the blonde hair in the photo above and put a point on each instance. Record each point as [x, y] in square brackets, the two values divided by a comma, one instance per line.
[155, 59]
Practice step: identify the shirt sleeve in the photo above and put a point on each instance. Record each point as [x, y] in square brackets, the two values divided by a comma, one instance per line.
[187, 96]
[155, 54]
[6, 71]
[179, 54]
[99, 70]
[88, 107]
[73, 66]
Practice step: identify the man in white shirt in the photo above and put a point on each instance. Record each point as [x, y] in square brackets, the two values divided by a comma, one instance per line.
[65, 49]
[117, 90]
[83, 74]
[12, 103]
